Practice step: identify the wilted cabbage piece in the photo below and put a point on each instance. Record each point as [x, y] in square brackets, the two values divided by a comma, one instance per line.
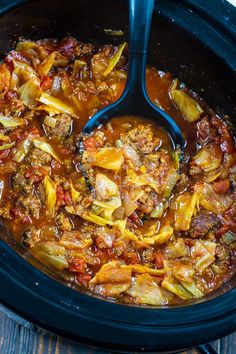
[172, 285]
[22, 73]
[6, 146]
[51, 254]
[5, 79]
[186, 205]
[22, 150]
[31, 48]
[95, 219]
[51, 196]
[56, 103]
[75, 195]
[11, 121]
[50, 121]
[105, 187]
[176, 249]
[204, 254]
[4, 137]
[141, 269]
[29, 92]
[142, 180]
[163, 236]
[114, 59]
[212, 201]
[190, 109]
[183, 271]
[46, 65]
[145, 290]
[109, 158]
[111, 279]
[74, 240]
[192, 288]
[208, 158]
[44, 146]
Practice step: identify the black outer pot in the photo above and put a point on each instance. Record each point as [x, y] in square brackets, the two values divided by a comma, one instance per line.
[196, 42]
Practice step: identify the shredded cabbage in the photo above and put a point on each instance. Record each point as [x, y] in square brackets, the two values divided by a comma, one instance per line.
[56, 103]
[186, 205]
[50, 191]
[46, 65]
[5, 79]
[23, 150]
[41, 144]
[11, 121]
[52, 254]
[6, 146]
[114, 59]
[190, 109]
[29, 92]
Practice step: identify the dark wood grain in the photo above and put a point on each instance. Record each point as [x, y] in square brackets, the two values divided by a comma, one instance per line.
[16, 338]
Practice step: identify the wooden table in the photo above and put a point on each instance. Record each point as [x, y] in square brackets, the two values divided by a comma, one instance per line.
[20, 337]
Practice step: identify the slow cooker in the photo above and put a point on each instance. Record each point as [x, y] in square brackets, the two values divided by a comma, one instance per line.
[194, 40]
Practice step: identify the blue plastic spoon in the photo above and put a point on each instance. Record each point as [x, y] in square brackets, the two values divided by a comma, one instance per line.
[134, 100]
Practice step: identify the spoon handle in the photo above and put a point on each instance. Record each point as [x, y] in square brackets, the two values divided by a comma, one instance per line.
[140, 13]
[140, 16]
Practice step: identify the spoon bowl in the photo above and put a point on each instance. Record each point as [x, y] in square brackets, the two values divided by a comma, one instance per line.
[135, 101]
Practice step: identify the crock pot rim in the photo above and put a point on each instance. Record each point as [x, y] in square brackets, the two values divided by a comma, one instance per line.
[185, 317]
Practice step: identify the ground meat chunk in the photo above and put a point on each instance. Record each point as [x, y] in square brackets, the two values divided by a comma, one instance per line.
[205, 131]
[64, 222]
[5, 213]
[182, 184]
[30, 237]
[62, 128]
[39, 157]
[202, 223]
[85, 49]
[141, 138]
[31, 205]
[146, 203]
[22, 184]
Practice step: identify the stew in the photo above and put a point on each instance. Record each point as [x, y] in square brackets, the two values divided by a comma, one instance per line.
[117, 211]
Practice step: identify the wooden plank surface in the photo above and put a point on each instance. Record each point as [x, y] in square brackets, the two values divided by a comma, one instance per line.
[16, 338]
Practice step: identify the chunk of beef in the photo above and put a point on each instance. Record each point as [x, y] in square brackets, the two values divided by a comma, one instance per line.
[30, 236]
[62, 128]
[39, 157]
[205, 131]
[203, 223]
[5, 213]
[64, 222]
[141, 138]
[22, 184]
[31, 205]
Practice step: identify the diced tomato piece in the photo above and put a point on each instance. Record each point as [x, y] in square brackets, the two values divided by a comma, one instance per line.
[36, 173]
[78, 266]
[46, 83]
[89, 144]
[4, 154]
[222, 186]
[227, 141]
[83, 279]
[16, 212]
[67, 198]
[10, 95]
[132, 258]
[26, 220]
[134, 218]
[60, 196]
[159, 258]
[222, 231]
